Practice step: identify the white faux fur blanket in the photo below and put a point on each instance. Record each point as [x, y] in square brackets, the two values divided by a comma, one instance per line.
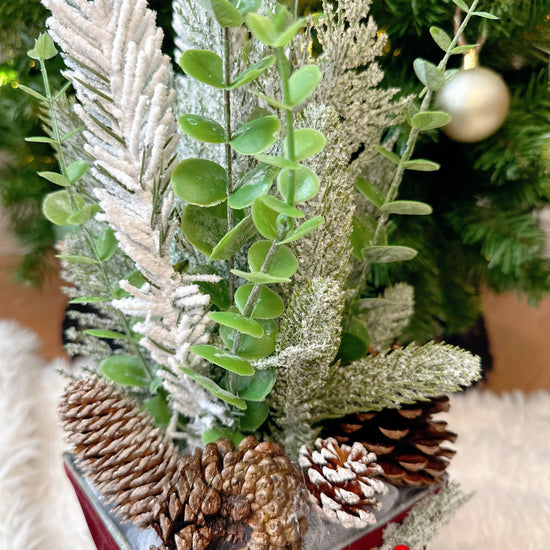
[503, 455]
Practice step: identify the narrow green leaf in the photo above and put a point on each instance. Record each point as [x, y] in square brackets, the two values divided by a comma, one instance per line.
[408, 208]
[428, 74]
[369, 191]
[83, 215]
[214, 389]
[77, 259]
[244, 325]
[264, 219]
[363, 229]
[254, 183]
[202, 128]
[106, 244]
[58, 207]
[213, 434]
[450, 74]
[200, 181]
[256, 135]
[88, 300]
[302, 83]
[247, 6]
[280, 206]
[307, 227]
[76, 170]
[387, 254]
[307, 142]
[226, 14]
[421, 165]
[268, 304]
[463, 49]
[286, 36]
[484, 14]
[72, 133]
[255, 415]
[32, 92]
[224, 359]
[388, 154]
[462, 5]
[252, 72]
[233, 241]
[44, 48]
[279, 162]
[204, 66]
[257, 387]
[41, 139]
[109, 334]
[54, 177]
[428, 120]
[260, 278]
[282, 262]
[250, 347]
[306, 183]
[63, 89]
[125, 370]
[441, 38]
[271, 101]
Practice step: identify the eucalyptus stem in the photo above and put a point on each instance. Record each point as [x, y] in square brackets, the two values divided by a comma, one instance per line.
[415, 132]
[282, 68]
[228, 151]
[86, 234]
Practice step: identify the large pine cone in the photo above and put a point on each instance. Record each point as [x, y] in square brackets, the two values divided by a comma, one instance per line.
[129, 460]
[341, 480]
[250, 497]
[407, 441]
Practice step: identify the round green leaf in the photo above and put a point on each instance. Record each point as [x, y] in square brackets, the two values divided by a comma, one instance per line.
[429, 120]
[202, 128]
[252, 348]
[256, 136]
[244, 325]
[106, 244]
[252, 72]
[354, 342]
[363, 229]
[125, 370]
[302, 83]
[254, 183]
[441, 38]
[387, 254]
[407, 208]
[44, 48]
[268, 303]
[262, 28]
[307, 142]
[428, 74]
[369, 191]
[282, 263]
[159, 409]
[255, 415]
[76, 170]
[200, 181]
[203, 65]
[54, 177]
[224, 359]
[306, 183]
[226, 14]
[233, 241]
[264, 219]
[83, 215]
[213, 434]
[257, 387]
[57, 207]
[204, 227]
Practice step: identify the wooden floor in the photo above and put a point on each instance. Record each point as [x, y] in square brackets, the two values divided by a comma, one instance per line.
[519, 335]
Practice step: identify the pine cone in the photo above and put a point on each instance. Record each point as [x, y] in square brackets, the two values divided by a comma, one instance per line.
[250, 497]
[119, 449]
[407, 441]
[340, 479]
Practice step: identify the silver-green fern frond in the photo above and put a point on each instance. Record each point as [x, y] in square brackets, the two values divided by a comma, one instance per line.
[406, 375]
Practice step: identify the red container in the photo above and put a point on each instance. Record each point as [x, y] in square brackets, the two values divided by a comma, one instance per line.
[110, 534]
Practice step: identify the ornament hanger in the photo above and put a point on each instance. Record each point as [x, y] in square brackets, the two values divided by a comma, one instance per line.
[470, 59]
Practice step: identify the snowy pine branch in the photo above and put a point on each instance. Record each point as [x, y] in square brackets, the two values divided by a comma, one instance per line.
[406, 375]
[122, 81]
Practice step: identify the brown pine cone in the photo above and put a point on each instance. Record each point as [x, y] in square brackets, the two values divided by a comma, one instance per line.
[250, 497]
[407, 441]
[130, 461]
[341, 480]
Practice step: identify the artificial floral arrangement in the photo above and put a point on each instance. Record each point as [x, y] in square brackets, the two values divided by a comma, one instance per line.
[227, 266]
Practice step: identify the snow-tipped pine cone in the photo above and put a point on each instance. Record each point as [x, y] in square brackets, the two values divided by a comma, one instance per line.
[341, 481]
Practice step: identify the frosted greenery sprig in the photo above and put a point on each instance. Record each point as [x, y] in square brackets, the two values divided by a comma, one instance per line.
[245, 206]
[68, 208]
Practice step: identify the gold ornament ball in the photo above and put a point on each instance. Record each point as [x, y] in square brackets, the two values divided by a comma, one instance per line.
[478, 100]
